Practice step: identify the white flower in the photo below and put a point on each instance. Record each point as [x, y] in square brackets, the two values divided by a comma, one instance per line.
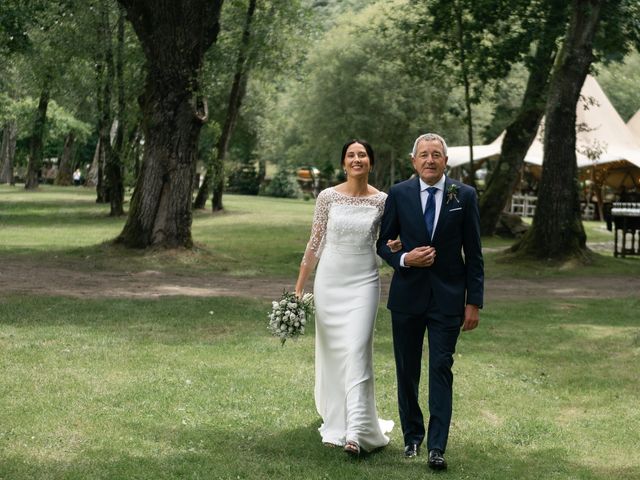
[289, 315]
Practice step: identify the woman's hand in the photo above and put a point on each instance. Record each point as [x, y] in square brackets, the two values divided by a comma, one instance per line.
[394, 245]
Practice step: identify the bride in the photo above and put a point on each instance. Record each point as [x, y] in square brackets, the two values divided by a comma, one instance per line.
[346, 292]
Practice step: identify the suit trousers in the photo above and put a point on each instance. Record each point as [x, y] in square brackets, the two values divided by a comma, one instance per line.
[408, 338]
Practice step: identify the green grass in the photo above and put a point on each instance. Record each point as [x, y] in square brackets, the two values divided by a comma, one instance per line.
[195, 388]
[255, 236]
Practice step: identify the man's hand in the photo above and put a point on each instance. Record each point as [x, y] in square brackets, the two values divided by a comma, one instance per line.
[394, 245]
[420, 257]
[471, 317]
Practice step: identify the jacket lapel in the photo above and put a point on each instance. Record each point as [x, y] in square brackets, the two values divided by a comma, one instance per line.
[416, 205]
[444, 208]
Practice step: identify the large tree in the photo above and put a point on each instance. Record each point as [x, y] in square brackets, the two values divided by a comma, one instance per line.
[174, 38]
[545, 22]
[557, 231]
[260, 43]
[474, 42]
[543, 32]
[236, 95]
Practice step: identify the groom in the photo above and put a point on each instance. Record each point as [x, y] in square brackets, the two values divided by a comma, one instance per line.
[437, 287]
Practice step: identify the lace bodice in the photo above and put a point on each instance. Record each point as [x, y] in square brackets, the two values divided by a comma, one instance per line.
[347, 223]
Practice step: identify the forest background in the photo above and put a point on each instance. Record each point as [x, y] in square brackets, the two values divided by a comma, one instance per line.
[178, 104]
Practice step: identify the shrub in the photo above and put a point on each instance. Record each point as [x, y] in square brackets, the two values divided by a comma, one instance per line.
[283, 185]
[244, 180]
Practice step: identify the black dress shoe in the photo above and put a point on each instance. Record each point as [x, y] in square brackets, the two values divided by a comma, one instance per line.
[436, 460]
[411, 450]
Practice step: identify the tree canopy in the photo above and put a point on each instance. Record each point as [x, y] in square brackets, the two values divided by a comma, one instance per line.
[313, 74]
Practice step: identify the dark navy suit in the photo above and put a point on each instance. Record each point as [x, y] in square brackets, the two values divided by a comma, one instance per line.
[431, 298]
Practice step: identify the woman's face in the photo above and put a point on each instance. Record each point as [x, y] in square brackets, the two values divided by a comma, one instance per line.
[356, 161]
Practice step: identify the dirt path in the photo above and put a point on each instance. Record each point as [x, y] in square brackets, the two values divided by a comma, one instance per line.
[39, 279]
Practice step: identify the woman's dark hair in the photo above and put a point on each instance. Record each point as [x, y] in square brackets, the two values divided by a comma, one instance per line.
[366, 146]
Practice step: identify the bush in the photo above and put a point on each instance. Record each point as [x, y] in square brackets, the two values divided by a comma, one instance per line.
[283, 185]
[244, 180]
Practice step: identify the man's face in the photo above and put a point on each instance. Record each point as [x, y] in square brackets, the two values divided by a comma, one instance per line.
[429, 161]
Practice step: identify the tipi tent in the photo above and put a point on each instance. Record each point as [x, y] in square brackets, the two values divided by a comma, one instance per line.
[634, 125]
[607, 151]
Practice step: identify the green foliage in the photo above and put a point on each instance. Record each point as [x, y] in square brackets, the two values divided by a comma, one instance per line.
[620, 82]
[60, 123]
[353, 86]
[16, 17]
[282, 185]
[279, 32]
[619, 31]
[244, 180]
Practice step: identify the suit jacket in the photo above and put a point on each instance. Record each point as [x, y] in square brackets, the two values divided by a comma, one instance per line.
[454, 280]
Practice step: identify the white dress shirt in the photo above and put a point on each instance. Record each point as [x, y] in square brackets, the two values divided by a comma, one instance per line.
[424, 195]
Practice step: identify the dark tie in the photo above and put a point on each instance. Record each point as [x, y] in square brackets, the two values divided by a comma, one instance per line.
[430, 211]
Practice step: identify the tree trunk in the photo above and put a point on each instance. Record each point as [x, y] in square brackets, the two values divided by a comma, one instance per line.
[238, 90]
[65, 168]
[467, 90]
[37, 140]
[174, 37]
[203, 192]
[92, 173]
[104, 87]
[521, 133]
[8, 151]
[114, 166]
[557, 232]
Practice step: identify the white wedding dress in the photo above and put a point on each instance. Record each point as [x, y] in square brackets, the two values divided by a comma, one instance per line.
[346, 292]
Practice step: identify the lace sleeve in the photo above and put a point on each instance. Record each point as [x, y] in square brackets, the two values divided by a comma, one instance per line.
[318, 230]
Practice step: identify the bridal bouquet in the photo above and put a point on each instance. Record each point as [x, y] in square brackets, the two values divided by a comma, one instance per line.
[289, 315]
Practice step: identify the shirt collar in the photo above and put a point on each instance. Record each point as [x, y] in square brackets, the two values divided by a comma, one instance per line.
[439, 184]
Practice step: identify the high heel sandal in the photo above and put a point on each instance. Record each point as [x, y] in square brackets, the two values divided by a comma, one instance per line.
[352, 448]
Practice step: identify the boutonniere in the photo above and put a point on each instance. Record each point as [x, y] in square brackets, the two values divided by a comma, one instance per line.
[452, 193]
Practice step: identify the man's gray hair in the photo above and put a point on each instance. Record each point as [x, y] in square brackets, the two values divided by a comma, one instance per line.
[427, 137]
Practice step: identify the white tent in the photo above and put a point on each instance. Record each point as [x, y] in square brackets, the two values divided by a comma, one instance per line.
[634, 125]
[603, 140]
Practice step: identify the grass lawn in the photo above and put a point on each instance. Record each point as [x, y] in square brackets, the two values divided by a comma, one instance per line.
[255, 236]
[195, 388]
